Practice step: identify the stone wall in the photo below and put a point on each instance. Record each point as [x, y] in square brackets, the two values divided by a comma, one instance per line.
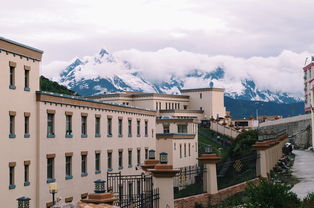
[297, 127]
[211, 199]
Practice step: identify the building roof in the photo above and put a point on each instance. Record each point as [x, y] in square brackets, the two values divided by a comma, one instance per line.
[202, 90]
[137, 94]
[20, 49]
[85, 102]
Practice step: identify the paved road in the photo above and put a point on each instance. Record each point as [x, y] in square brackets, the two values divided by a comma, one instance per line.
[303, 169]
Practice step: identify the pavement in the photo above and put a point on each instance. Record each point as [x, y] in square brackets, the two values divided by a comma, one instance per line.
[303, 169]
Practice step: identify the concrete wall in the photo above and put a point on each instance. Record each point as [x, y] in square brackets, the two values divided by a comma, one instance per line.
[224, 130]
[297, 127]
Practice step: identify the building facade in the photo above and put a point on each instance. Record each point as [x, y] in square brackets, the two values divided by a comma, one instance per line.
[73, 141]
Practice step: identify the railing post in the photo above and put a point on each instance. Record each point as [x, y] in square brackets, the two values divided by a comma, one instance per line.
[210, 175]
[163, 179]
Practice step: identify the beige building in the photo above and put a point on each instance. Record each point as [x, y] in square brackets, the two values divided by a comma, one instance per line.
[49, 137]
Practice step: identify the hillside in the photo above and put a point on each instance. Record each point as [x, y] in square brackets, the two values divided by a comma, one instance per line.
[244, 108]
[50, 86]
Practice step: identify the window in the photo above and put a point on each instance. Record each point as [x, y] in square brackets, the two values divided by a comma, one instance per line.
[120, 127]
[97, 163]
[138, 128]
[129, 128]
[172, 105]
[84, 165]
[156, 105]
[174, 146]
[26, 126]
[50, 125]
[109, 127]
[166, 129]
[138, 157]
[130, 158]
[97, 127]
[12, 126]
[26, 80]
[68, 167]
[201, 108]
[109, 162]
[159, 105]
[120, 160]
[26, 173]
[146, 128]
[189, 149]
[68, 126]
[201, 95]
[185, 107]
[50, 170]
[146, 153]
[196, 146]
[180, 150]
[184, 150]
[130, 190]
[12, 77]
[84, 126]
[12, 177]
[182, 128]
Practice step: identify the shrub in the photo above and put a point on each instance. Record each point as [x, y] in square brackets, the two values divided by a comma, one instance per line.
[198, 205]
[271, 195]
[308, 201]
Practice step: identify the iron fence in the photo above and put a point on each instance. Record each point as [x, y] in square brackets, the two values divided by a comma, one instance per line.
[133, 191]
[189, 181]
[237, 170]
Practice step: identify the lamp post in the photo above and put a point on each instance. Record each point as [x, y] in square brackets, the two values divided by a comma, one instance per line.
[53, 189]
[208, 149]
[100, 186]
[163, 158]
[23, 202]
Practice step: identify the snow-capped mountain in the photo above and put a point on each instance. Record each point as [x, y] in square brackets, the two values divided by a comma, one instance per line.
[106, 73]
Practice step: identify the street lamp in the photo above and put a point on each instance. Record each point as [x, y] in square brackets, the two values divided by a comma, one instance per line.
[53, 189]
[163, 158]
[23, 202]
[100, 186]
[208, 149]
[151, 154]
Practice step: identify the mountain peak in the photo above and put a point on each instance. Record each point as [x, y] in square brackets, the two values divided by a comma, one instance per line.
[103, 51]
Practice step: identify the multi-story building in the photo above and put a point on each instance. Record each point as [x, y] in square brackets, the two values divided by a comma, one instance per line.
[19, 82]
[308, 83]
[48, 137]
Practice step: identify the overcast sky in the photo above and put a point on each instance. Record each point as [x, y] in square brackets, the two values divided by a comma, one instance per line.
[65, 29]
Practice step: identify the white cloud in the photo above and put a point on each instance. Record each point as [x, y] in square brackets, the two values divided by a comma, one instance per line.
[277, 73]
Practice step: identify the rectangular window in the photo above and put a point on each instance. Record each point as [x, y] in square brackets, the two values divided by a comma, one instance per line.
[182, 128]
[189, 149]
[26, 79]
[12, 176]
[120, 127]
[12, 126]
[166, 129]
[201, 95]
[97, 127]
[50, 124]
[109, 160]
[184, 150]
[130, 158]
[26, 126]
[146, 128]
[109, 127]
[129, 128]
[84, 126]
[26, 174]
[120, 160]
[84, 165]
[138, 128]
[68, 167]
[68, 125]
[146, 154]
[97, 162]
[12, 77]
[138, 157]
[180, 150]
[50, 169]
